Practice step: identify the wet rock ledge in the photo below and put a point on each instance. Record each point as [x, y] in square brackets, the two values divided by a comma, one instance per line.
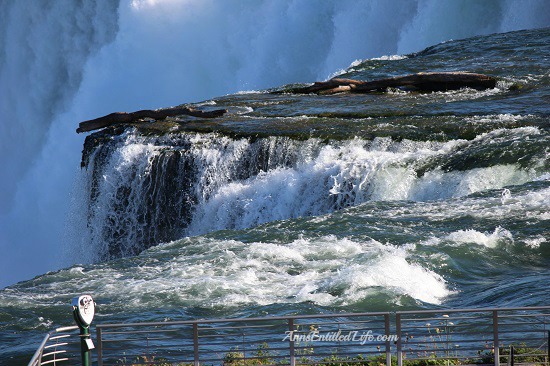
[188, 118]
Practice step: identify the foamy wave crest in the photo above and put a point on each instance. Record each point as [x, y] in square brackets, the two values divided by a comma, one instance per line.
[500, 236]
[411, 279]
[204, 272]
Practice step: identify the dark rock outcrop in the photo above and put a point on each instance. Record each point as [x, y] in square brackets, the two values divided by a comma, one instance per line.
[159, 114]
[424, 81]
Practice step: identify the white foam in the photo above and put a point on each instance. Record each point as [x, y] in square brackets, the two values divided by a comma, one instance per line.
[344, 174]
[71, 62]
[534, 243]
[327, 271]
[394, 273]
[470, 236]
[390, 58]
[440, 185]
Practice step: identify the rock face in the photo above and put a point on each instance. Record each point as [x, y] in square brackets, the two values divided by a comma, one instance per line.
[424, 81]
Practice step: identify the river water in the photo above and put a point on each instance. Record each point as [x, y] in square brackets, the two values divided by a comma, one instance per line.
[296, 204]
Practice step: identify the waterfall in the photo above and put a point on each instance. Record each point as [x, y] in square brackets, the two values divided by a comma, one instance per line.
[65, 61]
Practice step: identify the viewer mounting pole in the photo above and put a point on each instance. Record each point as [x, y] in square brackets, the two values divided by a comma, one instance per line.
[83, 312]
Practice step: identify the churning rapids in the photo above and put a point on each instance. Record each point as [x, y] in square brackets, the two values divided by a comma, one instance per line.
[306, 203]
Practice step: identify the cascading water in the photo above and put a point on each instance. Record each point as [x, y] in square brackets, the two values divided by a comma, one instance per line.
[288, 203]
[145, 191]
[67, 61]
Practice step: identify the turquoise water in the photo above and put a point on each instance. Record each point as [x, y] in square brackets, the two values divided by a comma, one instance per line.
[304, 204]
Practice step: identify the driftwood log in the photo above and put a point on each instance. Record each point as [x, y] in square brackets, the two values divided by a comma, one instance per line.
[424, 81]
[159, 114]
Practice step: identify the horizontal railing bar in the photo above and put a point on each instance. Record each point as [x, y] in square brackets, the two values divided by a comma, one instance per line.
[106, 350]
[144, 331]
[472, 310]
[339, 354]
[121, 340]
[245, 326]
[443, 358]
[326, 328]
[542, 332]
[232, 334]
[471, 351]
[522, 339]
[336, 345]
[445, 341]
[452, 329]
[56, 345]
[66, 329]
[467, 353]
[118, 357]
[347, 321]
[462, 350]
[53, 353]
[328, 346]
[441, 334]
[134, 340]
[457, 321]
[266, 319]
[528, 326]
[57, 360]
[522, 315]
[62, 336]
[464, 317]
[461, 346]
[486, 316]
[478, 337]
[235, 338]
[239, 337]
[489, 328]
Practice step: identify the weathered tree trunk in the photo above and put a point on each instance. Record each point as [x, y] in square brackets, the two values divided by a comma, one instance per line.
[424, 81]
[159, 114]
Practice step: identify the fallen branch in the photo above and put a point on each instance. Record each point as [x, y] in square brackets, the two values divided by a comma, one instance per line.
[424, 81]
[159, 114]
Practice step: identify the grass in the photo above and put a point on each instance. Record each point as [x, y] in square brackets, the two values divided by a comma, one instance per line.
[263, 356]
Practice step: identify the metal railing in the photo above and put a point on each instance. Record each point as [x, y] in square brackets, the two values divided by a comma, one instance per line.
[481, 336]
[291, 340]
[58, 347]
[494, 336]
[474, 335]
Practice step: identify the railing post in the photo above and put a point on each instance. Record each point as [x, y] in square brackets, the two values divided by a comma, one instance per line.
[496, 344]
[399, 341]
[388, 344]
[291, 342]
[511, 357]
[196, 343]
[99, 347]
